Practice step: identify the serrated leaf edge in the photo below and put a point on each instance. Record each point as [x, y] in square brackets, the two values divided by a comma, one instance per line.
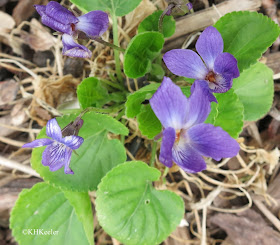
[265, 18]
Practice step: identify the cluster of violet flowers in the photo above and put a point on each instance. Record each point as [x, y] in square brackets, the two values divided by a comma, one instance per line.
[185, 136]
[90, 25]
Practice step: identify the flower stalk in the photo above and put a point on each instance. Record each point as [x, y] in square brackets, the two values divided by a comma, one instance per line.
[153, 154]
[116, 43]
[160, 23]
[100, 40]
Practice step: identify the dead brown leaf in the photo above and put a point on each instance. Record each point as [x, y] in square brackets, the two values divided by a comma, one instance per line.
[273, 191]
[8, 91]
[246, 228]
[53, 93]
[7, 22]
[270, 8]
[16, 118]
[178, 237]
[25, 9]
[39, 38]
[133, 19]
[3, 2]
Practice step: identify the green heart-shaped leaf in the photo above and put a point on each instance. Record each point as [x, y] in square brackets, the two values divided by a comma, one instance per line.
[45, 209]
[130, 209]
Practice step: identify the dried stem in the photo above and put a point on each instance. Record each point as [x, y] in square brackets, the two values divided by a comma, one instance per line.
[15, 165]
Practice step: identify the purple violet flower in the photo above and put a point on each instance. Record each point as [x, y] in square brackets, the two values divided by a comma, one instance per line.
[59, 149]
[60, 19]
[185, 138]
[217, 69]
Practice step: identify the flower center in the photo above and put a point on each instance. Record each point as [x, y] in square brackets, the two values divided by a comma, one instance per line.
[211, 77]
[73, 27]
[177, 137]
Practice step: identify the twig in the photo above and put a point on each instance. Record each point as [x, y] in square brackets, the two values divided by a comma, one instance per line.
[238, 210]
[130, 155]
[204, 216]
[15, 165]
[58, 58]
[28, 130]
[11, 142]
[267, 213]
[21, 66]
[16, 58]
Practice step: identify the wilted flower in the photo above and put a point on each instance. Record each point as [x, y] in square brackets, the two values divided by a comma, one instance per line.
[217, 68]
[59, 149]
[178, 7]
[92, 24]
[185, 138]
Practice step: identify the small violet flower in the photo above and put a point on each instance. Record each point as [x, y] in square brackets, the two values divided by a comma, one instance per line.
[59, 149]
[60, 19]
[217, 69]
[185, 138]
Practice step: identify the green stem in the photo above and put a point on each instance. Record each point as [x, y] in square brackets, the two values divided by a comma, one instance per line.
[99, 110]
[80, 116]
[166, 170]
[100, 40]
[153, 154]
[122, 136]
[111, 84]
[116, 52]
[119, 116]
[160, 23]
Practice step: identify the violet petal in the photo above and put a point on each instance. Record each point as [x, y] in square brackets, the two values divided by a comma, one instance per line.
[186, 63]
[53, 130]
[199, 105]
[73, 49]
[55, 25]
[54, 156]
[170, 104]
[94, 23]
[210, 45]
[167, 143]
[189, 5]
[226, 64]
[67, 169]
[60, 14]
[206, 90]
[212, 141]
[41, 9]
[188, 158]
[38, 143]
[73, 142]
